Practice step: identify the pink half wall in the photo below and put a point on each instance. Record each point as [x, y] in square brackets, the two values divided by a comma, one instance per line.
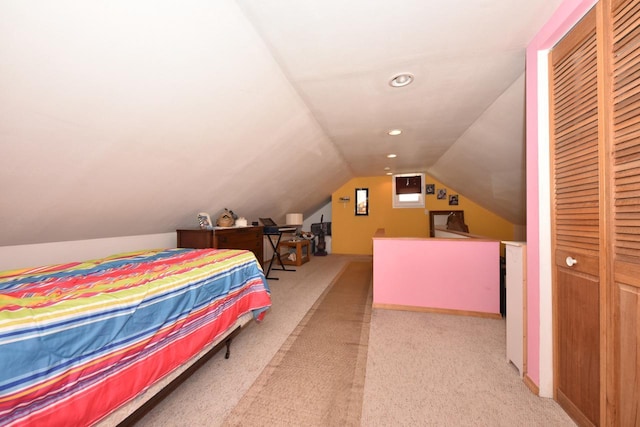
[443, 274]
[539, 311]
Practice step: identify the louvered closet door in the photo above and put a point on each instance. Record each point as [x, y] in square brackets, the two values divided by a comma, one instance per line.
[626, 207]
[576, 221]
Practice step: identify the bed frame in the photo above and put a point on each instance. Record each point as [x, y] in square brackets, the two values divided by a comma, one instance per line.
[131, 412]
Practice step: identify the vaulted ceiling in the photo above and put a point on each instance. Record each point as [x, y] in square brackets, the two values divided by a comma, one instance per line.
[129, 117]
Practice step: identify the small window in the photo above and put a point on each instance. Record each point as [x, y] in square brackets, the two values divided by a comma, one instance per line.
[408, 190]
[409, 184]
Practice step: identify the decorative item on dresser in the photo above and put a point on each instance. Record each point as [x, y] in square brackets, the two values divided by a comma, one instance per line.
[249, 238]
[205, 221]
[226, 219]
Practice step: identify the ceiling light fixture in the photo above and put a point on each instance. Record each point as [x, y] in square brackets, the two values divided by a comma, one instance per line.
[391, 156]
[400, 80]
[395, 132]
[387, 168]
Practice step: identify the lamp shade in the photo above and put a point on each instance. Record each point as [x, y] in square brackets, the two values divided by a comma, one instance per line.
[294, 219]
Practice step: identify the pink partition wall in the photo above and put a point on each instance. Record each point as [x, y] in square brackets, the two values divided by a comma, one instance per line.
[451, 274]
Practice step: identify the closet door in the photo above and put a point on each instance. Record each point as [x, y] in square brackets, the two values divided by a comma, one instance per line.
[626, 209]
[576, 221]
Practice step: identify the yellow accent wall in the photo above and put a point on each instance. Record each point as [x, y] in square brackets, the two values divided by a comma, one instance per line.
[352, 234]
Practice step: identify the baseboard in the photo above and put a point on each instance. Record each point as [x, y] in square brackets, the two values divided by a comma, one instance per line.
[572, 410]
[437, 310]
[531, 385]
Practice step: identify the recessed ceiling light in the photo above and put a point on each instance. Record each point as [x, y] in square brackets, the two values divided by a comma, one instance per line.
[387, 168]
[391, 156]
[400, 80]
[389, 173]
[395, 132]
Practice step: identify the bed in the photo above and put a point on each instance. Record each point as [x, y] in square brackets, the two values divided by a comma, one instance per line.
[86, 343]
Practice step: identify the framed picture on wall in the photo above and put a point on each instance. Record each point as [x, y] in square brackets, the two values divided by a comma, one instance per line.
[430, 189]
[442, 193]
[453, 200]
[362, 201]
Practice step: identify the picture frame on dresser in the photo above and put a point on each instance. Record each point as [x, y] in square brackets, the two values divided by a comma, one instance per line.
[205, 221]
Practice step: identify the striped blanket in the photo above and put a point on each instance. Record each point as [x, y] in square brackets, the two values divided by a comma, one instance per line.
[79, 340]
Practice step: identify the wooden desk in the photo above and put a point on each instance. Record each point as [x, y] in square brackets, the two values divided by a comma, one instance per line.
[302, 250]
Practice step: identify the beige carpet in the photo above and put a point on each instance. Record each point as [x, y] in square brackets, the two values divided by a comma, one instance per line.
[423, 369]
[317, 376]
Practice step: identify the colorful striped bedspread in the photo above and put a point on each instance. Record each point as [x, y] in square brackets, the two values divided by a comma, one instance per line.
[79, 340]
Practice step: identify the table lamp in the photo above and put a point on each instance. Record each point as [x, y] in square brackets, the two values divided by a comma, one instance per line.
[296, 220]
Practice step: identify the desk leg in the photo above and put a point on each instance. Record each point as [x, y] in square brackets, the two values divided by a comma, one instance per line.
[276, 254]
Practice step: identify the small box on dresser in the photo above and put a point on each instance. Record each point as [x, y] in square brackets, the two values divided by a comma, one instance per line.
[248, 238]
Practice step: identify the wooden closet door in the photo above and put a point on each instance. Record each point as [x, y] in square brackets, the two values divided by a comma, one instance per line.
[576, 221]
[625, 64]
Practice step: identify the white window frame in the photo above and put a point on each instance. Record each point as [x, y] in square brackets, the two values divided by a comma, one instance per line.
[397, 203]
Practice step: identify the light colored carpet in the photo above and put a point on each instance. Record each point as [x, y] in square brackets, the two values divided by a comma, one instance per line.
[422, 369]
[208, 396]
[317, 377]
[427, 369]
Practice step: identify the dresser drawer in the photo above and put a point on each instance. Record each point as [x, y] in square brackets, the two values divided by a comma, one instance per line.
[247, 238]
[223, 243]
[195, 239]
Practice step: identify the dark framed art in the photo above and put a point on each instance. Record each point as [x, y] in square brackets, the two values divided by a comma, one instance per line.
[362, 201]
[430, 189]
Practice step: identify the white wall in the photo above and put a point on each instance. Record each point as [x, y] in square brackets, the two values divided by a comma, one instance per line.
[125, 118]
[23, 256]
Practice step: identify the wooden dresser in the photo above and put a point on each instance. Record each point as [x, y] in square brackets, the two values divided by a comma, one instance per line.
[249, 238]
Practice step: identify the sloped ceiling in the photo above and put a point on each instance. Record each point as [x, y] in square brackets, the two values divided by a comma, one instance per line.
[129, 117]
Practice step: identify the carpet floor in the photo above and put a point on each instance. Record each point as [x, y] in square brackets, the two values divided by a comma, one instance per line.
[422, 369]
[317, 377]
